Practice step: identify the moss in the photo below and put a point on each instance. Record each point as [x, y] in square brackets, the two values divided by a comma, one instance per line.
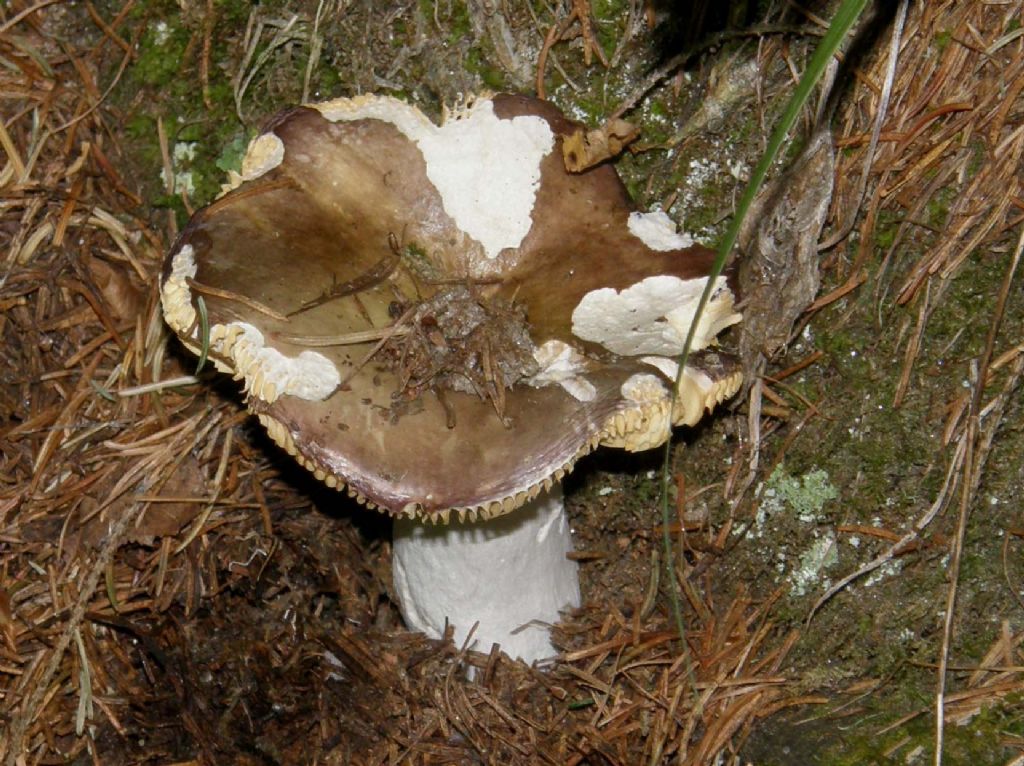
[938, 206]
[493, 77]
[460, 26]
[978, 742]
[886, 229]
[659, 109]
[979, 153]
[231, 155]
[330, 80]
[161, 50]
[609, 19]
[164, 83]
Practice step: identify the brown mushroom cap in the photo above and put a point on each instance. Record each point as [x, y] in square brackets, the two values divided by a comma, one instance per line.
[335, 220]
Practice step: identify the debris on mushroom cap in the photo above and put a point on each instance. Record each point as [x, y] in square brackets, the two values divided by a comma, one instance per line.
[365, 251]
[460, 341]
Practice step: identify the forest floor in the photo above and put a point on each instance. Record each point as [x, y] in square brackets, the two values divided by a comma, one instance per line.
[848, 534]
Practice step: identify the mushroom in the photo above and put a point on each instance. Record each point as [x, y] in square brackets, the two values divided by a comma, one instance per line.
[442, 320]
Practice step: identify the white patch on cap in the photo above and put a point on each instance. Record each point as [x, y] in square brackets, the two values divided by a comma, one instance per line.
[666, 366]
[658, 231]
[646, 421]
[562, 364]
[643, 388]
[309, 376]
[183, 264]
[653, 316]
[486, 169]
[175, 294]
[265, 153]
[693, 377]
[701, 379]
[696, 394]
[407, 118]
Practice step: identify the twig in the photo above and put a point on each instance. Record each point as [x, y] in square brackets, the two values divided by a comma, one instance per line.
[549, 40]
[228, 295]
[158, 385]
[31, 707]
[110, 89]
[316, 42]
[209, 22]
[346, 339]
[941, 501]
[399, 323]
[14, 20]
[108, 31]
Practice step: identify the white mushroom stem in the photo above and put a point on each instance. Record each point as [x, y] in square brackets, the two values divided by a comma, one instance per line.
[510, 574]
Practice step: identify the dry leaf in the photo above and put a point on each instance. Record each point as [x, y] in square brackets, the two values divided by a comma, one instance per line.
[584, 150]
[121, 294]
[779, 270]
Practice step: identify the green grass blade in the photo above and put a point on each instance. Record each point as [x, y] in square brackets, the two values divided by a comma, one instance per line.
[204, 333]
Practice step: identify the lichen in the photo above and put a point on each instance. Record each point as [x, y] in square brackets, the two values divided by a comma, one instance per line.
[805, 496]
[816, 558]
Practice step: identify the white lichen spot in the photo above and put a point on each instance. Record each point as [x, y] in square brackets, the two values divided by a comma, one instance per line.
[821, 554]
[161, 32]
[184, 151]
[701, 172]
[180, 178]
[784, 494]
[805, 496]
[185, 182]
[653, 316]
[888, 569]
[657, 231]
[180, 181]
